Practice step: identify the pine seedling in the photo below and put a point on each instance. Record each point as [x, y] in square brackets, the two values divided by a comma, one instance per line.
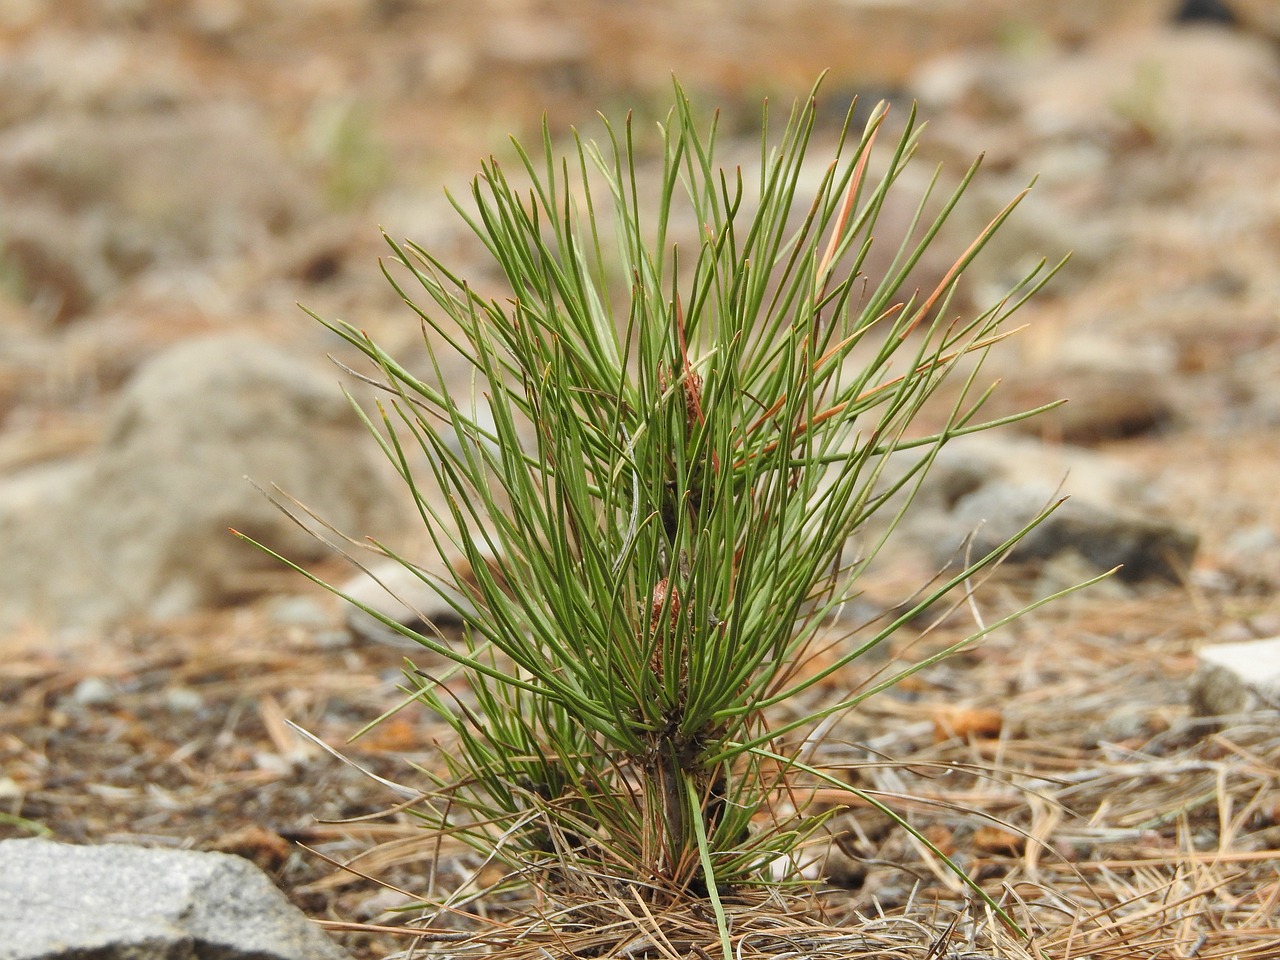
[649, 521]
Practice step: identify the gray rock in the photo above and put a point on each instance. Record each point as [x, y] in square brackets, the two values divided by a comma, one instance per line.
[88, 70]
[116, 902]
[142, 528]
[989, 487]
[399, 594]
[965, 465]
[1252, 543]
[1144, 547]
[1236, 678]
[183, 700]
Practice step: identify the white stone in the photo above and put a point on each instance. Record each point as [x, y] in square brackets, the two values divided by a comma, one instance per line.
[117, 902]
[93, 692]
[1236, 678]
[398, 593]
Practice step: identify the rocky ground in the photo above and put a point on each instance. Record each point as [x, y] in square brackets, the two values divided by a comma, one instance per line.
[174, 176]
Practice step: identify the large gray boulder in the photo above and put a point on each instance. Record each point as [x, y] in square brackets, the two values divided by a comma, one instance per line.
[142, 527]
[117, 902]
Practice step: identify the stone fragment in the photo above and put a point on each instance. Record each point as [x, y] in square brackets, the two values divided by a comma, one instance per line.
[967, 464]
[1185, 87]
[1143, 547]
[142, 527]
[86, 71]
[989, 487]
[1236, 678]
[399, 594]
[183, 700]
[93, 692]
[117, 902]
[1204, 11]
[203, 182]
[298, 611]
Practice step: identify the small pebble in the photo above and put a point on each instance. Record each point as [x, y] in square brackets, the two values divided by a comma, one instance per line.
[385, 903]
[183, 700]
[273, 763]
[1127, 723]
[93, 692]
[1235, 678]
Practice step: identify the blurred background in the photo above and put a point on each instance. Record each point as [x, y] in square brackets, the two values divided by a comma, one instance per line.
[176, 176]
[173, 170]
